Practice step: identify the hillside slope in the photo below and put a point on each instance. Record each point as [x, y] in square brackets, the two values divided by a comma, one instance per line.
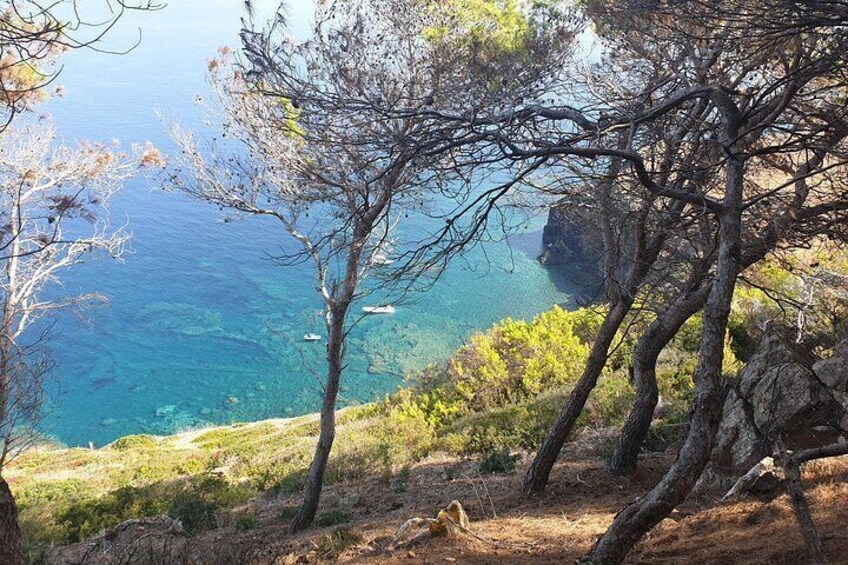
[505, 528]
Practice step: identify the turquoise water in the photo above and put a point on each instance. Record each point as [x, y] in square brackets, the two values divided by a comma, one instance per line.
[201, 327]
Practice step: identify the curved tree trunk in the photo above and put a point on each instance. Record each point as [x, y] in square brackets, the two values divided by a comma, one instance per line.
[537, 476]
[648, 349]
[315, 479]
[11, 551]
[637, 519]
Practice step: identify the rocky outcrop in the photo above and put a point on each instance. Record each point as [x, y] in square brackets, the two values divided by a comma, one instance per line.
[833, 373]
[782, 392]
[562, 241]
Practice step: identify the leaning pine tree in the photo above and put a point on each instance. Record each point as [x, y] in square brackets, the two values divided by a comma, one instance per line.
[334, 174]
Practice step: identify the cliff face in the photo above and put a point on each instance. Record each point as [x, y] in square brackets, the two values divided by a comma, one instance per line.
[563, 242]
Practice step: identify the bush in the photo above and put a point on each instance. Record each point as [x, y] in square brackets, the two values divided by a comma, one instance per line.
[513, 362]
[246, 522]
[142, 441]
[518, 359]
[499, 462]
[196, 512]
[332, 518]
[195, 502]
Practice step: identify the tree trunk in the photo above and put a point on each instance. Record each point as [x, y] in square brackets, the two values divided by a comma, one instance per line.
[801, 508]
[315, 479]
[11, 551]
[537, 476]
[637, 519]
[648, 349]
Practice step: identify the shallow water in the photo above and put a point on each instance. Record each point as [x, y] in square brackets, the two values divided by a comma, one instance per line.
[201, 327]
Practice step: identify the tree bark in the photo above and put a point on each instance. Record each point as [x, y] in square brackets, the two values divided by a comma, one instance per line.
[537, 476]
[640, 517]
[315, 479]
[801, 508]
[647, 351]
[11, 547]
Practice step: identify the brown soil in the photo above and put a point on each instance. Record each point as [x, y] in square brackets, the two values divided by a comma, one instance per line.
[558, 527]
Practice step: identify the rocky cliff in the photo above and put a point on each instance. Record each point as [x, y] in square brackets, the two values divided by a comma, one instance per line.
[563, 242]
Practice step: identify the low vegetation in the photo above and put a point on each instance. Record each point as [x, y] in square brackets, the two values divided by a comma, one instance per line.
[496, 397]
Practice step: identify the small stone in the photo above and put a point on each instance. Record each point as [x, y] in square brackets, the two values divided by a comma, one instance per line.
[232, 400]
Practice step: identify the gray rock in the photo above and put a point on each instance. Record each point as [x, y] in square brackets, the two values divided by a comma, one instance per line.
[833, 372]
[782, 392]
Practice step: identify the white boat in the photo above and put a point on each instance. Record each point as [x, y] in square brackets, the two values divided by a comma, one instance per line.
[386, 309]
[311, 337]
[381, 259]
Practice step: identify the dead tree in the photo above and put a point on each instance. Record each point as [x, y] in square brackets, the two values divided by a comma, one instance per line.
[47, 193]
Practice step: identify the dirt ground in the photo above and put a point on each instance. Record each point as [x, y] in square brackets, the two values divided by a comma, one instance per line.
[557, 527]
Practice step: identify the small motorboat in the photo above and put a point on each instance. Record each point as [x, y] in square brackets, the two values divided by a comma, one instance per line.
[381, 259]
[385, 309]
[311, 337]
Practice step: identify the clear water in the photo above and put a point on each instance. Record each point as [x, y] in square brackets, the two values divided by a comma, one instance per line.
[201, 328]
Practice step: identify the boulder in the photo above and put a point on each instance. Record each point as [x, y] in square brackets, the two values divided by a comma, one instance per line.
[833, 373]
[780, 393]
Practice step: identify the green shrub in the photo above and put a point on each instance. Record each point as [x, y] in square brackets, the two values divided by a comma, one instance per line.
[194, 511]
[288, 513]
[517, 359]
[520, 426]
[332, 518]
[402, 480]
[501, 461]
[142, 441]
[195, 502]
[610, 402]
[246, 522]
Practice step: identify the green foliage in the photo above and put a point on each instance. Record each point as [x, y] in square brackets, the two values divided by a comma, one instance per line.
[517, 359]
[143, 441]
[332, 518]
[402, 479]
[246, 522]
[511, 363]
[499, 26]
[499, 461]
[195, 502]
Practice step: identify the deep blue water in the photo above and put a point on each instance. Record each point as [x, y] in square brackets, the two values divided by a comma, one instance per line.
[201, 327]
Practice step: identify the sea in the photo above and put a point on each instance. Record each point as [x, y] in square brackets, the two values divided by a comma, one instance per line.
[201, 326]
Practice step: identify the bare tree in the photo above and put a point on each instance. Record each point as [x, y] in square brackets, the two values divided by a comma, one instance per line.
[54, 210]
